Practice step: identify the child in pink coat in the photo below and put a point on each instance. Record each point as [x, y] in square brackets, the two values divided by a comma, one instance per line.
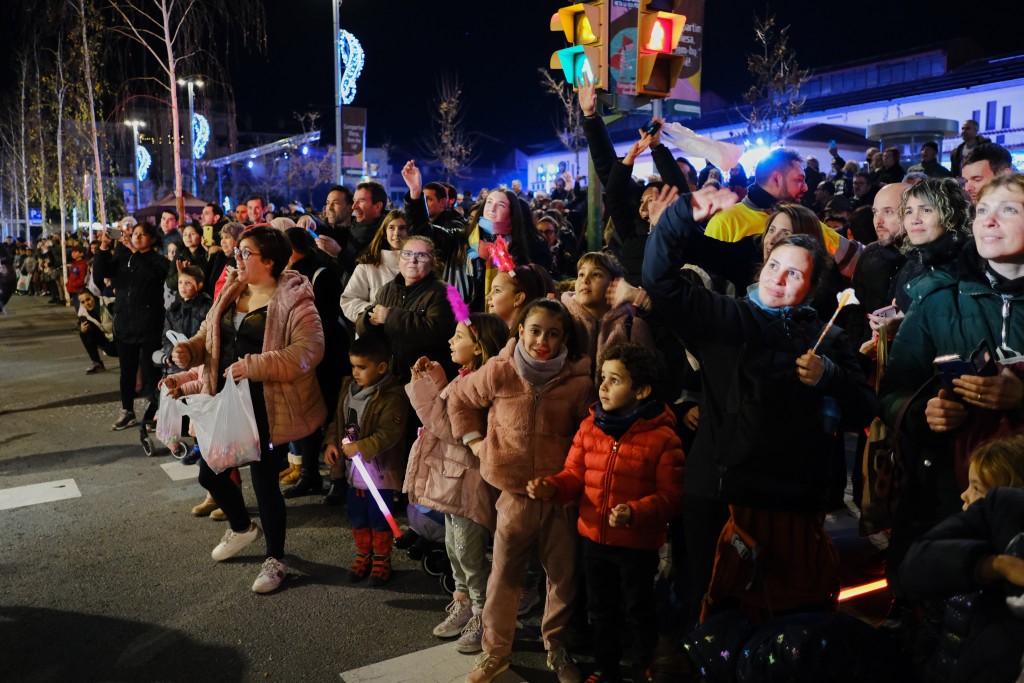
[536, 393]
[444, 475]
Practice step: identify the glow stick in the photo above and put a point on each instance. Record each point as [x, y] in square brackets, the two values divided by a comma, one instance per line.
[847, 296]
[855, 591]
[357, 460]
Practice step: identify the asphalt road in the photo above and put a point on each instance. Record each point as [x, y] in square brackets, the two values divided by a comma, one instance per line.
[118, 584]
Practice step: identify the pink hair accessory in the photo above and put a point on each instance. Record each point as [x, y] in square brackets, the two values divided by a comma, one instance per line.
[459, 308]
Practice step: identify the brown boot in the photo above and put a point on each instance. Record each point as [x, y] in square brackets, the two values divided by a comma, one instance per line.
[290, 474]
[364, 544]
[382, 542]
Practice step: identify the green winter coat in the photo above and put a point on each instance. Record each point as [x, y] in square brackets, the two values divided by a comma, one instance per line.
[947, 317]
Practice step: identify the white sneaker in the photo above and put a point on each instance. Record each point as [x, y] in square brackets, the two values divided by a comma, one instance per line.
[272, 573]
[234, 541]
[459, 612]
[472, 635]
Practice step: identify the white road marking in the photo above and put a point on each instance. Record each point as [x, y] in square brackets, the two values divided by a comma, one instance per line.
[441, 664]
[33, 494]
[178, 472]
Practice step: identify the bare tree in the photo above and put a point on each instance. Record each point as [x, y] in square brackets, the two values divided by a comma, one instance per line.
[450, 145]
[175, 34]
[87, 48]
[569, 122]
[774, 98]
[60, 88]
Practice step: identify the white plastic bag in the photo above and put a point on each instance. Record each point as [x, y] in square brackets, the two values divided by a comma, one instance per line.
[168, 420]
[225, 426]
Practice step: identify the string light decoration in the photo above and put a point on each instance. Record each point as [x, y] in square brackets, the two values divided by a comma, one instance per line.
[142, 162]
[200, 135]
[353, 57]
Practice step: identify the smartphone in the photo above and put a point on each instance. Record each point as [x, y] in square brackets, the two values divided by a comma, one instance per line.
[887, 312]
[114, 233]
[651, 127]
[981, 364]
[832, 144]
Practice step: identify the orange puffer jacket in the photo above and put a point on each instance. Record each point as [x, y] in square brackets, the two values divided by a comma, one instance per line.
[643, 469]
[293, 344]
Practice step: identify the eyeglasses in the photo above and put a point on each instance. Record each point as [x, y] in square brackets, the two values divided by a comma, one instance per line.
[415, 256]
[245, 253]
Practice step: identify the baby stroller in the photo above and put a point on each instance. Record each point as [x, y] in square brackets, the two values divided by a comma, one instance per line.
[428, 548]
[180, 446]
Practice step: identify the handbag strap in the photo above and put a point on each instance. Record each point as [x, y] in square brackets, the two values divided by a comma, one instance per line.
[903, 413]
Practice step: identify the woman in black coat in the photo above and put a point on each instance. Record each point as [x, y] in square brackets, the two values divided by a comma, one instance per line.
[768, 414]
[137, 273]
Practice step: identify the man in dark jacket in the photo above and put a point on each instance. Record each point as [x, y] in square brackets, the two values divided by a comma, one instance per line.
[930, 165]
[971, 139]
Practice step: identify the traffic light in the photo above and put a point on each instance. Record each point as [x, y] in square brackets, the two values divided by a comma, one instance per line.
[585, 26]
[658, 32]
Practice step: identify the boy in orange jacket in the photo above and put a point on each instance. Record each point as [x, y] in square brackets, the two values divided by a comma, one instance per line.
[626, 471]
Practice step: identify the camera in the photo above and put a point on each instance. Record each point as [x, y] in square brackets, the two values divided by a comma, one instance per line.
[651, 127]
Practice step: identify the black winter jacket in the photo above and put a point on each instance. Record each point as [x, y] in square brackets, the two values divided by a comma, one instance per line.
[760, 440]
[420, 322]
[944, 562]
[185, 317]
[138, 281]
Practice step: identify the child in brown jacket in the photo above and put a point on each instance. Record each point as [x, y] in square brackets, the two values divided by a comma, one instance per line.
[536, 393]
[369, 421]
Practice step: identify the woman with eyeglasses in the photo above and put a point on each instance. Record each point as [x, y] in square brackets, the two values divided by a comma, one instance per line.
[413, 310]
[137, 272]
[376, 267]
[263, 327]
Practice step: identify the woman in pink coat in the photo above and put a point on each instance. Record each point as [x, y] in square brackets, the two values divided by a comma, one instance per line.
[263, 327]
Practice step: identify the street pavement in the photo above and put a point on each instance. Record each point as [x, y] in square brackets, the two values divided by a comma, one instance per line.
[108, 577]
[118, 584]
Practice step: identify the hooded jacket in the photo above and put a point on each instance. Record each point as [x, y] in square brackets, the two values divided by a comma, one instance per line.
[443, 474]
[381, 435]
[617, 325]
[293, 345]
[761, 433]
[528, 431]
[948, 316]
[643, 468]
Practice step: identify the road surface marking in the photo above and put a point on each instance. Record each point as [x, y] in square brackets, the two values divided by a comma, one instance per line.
[442, 664]
[33, 494]
[178, 472]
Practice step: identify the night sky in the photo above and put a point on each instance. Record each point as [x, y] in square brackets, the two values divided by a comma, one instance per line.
[496, 47]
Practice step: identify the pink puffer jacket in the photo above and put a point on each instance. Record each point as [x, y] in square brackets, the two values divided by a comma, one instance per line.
[442, 473]
[293, 345]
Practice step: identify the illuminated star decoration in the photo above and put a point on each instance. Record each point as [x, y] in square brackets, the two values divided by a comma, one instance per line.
[200, 135]
[142, 162]
[353, 57]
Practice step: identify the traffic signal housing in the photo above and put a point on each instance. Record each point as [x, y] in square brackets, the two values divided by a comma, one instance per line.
[659, 29]
[585, 25]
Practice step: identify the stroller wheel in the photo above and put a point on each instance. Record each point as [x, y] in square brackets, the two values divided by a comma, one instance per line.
[436, 562]
[178, 450]
[148, 446]
[447, 582]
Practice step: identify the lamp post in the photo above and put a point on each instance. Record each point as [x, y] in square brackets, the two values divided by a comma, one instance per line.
[337, 89]
[192, 84]
[135, 125]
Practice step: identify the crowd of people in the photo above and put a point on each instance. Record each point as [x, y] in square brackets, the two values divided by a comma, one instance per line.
[570, 413]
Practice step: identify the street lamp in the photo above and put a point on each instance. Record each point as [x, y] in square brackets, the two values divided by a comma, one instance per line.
[135, 125]
[192, 84]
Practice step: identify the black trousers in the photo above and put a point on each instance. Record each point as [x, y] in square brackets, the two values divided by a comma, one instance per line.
[620, 590]
[270, 501]
[95, 341]
[133, 357]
